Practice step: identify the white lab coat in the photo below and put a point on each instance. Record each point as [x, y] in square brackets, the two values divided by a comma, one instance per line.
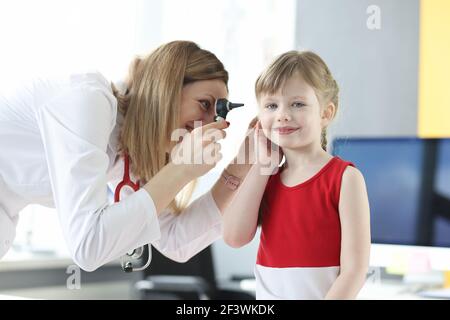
[58, 148]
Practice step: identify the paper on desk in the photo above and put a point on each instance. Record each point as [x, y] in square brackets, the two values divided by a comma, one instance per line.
[419, 262]
[398, 265]
[414, 262]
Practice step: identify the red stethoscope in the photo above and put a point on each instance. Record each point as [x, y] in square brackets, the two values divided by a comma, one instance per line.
[127, 260]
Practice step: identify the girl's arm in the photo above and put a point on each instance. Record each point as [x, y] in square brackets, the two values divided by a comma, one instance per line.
[239, 168]
[240, 217]
[221, 193]
[355, 243]
[200, 224]
[186, 234]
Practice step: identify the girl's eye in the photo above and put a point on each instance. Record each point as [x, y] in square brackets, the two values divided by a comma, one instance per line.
[271, 106]
[298, 104]
[205, 104]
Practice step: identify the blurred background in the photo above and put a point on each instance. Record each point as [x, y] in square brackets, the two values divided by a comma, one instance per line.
[390, 58]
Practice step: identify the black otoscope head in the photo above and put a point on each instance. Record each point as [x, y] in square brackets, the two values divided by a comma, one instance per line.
[223, 106]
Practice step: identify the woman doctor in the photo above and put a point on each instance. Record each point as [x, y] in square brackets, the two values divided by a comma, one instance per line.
[63, 141]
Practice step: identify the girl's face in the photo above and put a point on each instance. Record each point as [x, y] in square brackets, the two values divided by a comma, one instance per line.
[292, 118]
[198, 101]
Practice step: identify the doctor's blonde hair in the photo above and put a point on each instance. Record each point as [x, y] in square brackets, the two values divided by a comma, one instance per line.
[152, 101]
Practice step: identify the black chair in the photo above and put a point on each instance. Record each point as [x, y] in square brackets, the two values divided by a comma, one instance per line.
[194, 280]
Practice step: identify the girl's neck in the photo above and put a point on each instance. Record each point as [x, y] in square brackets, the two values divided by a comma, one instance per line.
[308, 155]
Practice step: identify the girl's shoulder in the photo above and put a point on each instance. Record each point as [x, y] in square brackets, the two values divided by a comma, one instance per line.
[352, 175]
[349, 169]
[343, 175]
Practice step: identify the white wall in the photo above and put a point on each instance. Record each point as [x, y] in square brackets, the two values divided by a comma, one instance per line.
[376, 69]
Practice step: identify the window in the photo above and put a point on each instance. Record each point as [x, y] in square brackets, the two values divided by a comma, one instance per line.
[50, 36]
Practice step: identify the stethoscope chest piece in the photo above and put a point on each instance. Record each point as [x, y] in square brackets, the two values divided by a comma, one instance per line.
[127, 261]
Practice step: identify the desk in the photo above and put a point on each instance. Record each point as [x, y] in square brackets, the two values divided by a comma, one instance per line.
[45, 277]
[392, 290]
[384, 290]
[30, 261]
[111, 290]
[8, 297]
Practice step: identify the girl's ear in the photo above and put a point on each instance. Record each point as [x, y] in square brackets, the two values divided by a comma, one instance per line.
[328, 114]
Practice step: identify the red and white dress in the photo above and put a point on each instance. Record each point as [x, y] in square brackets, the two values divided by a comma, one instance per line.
[300, 244]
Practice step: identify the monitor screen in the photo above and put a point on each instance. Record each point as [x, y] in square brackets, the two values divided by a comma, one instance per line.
[442, 187]
[393, 171]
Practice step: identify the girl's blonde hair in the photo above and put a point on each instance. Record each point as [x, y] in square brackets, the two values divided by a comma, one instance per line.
[151, 105]
[311, 68]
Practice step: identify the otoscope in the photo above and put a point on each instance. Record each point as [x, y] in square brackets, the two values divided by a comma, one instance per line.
[223, 106]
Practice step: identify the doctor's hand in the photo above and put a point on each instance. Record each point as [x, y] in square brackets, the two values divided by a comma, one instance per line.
[193, 156]
[199, 150]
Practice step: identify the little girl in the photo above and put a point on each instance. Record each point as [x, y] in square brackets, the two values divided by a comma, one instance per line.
[314, 211]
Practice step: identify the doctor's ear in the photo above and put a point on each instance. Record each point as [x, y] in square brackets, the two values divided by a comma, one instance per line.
[327, 114]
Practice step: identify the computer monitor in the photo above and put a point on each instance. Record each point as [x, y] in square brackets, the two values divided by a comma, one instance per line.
[442, 187]
[408, 183]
